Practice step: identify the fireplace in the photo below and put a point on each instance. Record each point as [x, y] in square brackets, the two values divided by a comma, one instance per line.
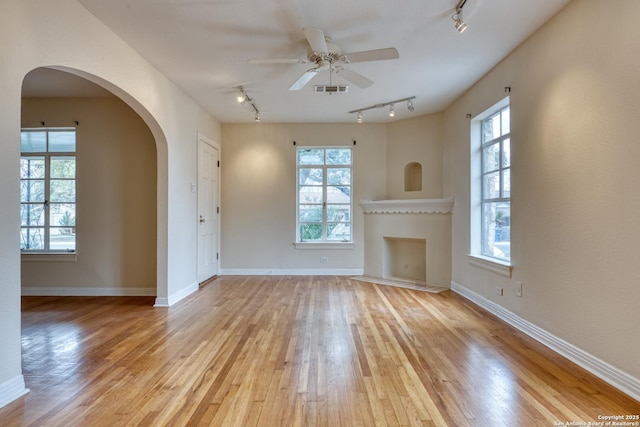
[405, 259]
[408, 240]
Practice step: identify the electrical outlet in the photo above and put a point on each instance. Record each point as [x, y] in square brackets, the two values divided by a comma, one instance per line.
[324, 259]
[499, 290]
[518, 289]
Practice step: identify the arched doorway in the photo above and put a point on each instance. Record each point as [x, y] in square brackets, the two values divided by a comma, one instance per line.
[119, 187]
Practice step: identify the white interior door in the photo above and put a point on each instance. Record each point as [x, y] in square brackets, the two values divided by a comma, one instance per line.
[208, 210]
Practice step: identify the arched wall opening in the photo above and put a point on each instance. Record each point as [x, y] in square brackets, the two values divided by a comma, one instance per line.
[413, 177]
[121, 184]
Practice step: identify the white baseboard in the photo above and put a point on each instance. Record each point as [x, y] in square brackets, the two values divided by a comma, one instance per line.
[177, 296]
[291, 272]
[608, 373]
[86, 291]
[11, 390]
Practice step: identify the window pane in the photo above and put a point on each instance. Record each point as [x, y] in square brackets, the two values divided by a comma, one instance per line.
[506, 153]
[506, 121]
[63, 167]
[309, 194]
[32, 239]
[496, 233]
[309, 213]
[62, 141]
[310, 231]
[311, 156]
[32, 190]
[339, 176]
[32, 167]
[63, 215]
[33, 142]
[32, 214]
[491, 185]
[506, 183]
[338, 156]
[62, 239]
[491, 128]
[62, 190]
[337, 213]
[338, 195]
[339, 231]
[310, 176]
[490, 158]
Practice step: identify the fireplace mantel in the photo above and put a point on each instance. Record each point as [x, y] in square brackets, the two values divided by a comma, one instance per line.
[404, 206]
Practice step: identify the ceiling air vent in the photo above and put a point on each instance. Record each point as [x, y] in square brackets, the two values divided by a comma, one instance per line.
[330, 89]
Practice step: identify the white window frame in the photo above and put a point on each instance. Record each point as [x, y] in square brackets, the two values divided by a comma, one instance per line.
[50, 254]
[477, 256]
[323, 243]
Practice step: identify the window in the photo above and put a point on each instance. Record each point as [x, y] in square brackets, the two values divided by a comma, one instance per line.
[48, 190]
[496, 185]
[324, 194]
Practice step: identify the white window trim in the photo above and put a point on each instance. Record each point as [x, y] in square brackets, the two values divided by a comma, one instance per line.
[495, 265]
[50, 255]
[324, 244]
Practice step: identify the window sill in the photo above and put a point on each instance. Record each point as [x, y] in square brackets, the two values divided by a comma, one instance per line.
[502, 268]
[323, 245]
[48, 257]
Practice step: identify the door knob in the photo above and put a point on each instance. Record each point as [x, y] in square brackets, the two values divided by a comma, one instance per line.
[202, 219]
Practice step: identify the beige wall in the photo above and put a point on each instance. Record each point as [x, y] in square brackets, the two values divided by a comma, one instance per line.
[418, 139]
[116, 196]
[259, 193]
[575, 103]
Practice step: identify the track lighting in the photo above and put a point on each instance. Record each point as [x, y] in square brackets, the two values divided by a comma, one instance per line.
[392, 111]
[243, 97]
[458, 23]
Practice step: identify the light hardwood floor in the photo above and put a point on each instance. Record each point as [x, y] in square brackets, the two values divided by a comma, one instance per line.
[293, 351]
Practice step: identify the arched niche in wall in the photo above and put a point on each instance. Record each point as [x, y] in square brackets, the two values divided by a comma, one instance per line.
[413, 177]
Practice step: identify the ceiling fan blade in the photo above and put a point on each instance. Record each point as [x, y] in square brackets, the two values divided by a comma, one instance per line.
[372, 55]
[277, 61]
[304, 79]
[316, 40]
[355, 78]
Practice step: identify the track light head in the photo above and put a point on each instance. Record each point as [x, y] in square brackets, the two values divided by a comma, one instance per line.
[410, 106]
[242, 96]
[458, 23]
[256, 118]
[359, 117]
[392, 112]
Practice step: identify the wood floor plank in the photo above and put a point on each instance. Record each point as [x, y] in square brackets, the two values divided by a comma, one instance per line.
[293, 351]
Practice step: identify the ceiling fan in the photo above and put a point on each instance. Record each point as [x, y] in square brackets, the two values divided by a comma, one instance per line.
[327, 56]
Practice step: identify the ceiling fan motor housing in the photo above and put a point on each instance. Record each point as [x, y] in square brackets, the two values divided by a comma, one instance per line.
[332, 55]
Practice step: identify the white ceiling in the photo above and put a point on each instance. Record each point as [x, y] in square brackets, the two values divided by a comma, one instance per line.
[204, 47]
